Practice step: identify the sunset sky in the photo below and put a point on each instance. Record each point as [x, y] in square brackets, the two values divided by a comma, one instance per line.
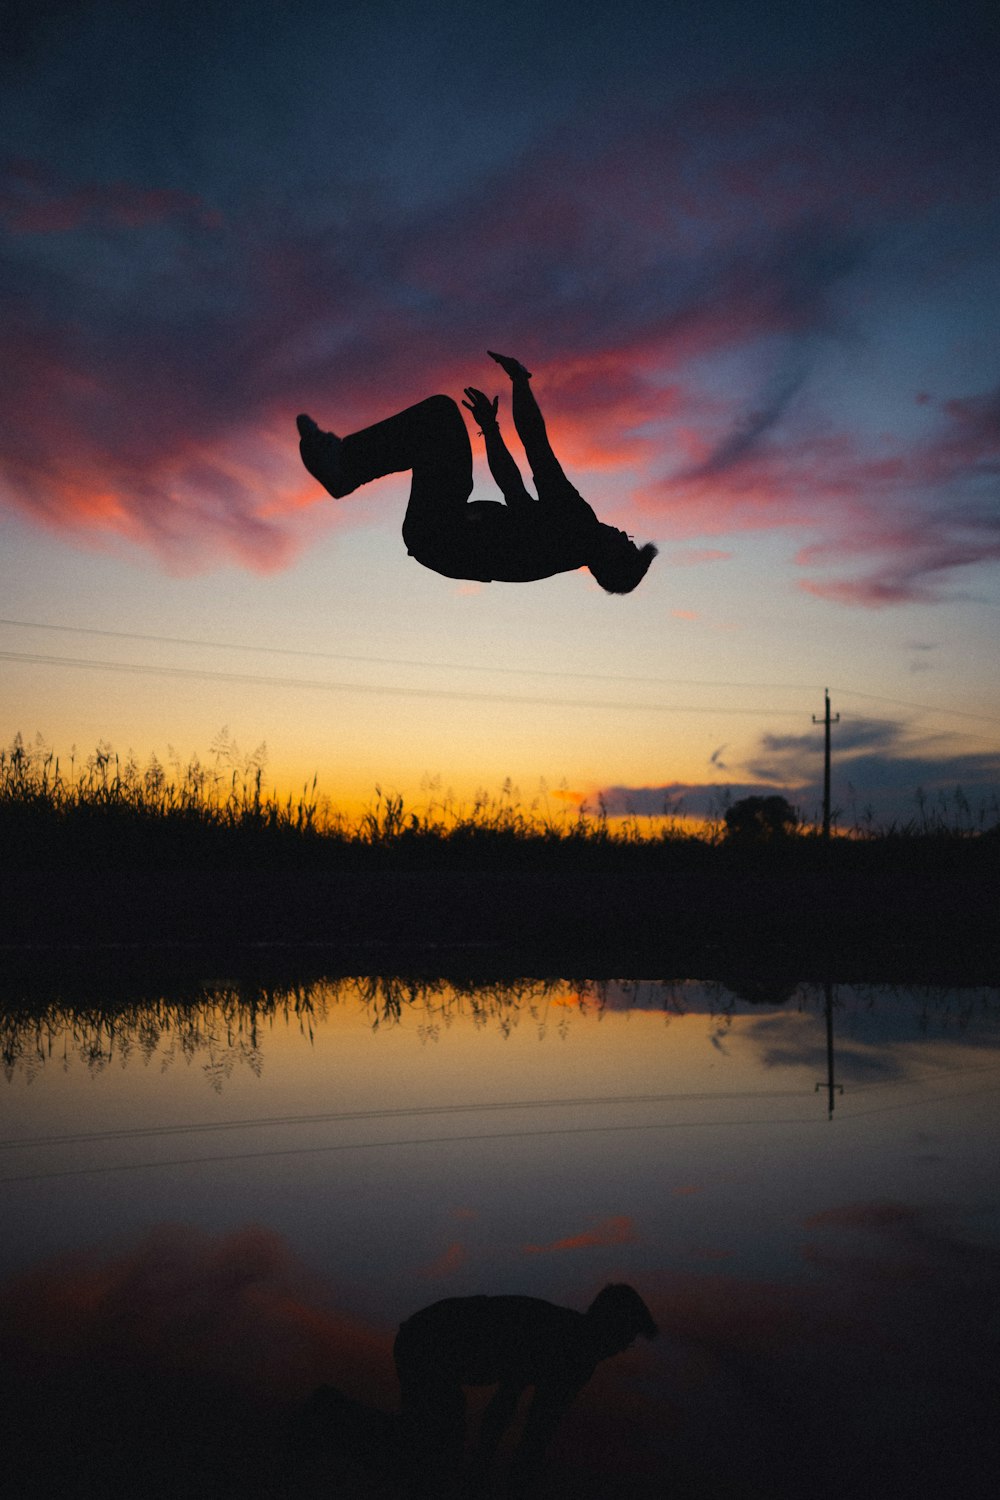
[750, 253]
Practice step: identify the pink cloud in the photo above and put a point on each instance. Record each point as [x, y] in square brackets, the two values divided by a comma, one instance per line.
[873, 504]
[163, 415]
[694, 557]
[34, 201]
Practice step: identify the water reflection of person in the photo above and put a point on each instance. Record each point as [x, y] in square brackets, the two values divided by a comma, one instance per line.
[512, 1343]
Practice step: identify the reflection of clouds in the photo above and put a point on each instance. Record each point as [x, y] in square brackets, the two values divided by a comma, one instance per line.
[874, 1028]
[235, 1308]
[173, 1361]
[619, 1229]
[876, 1373]
[854, 1064]
[451, 1259]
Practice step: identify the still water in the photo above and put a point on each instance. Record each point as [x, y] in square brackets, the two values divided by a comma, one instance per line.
[213, 1204]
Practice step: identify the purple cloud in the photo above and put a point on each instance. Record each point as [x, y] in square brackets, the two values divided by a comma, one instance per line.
[164, 331]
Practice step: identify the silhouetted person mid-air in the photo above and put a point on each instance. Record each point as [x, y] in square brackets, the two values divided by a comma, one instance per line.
[512, 1343]
[483, 540]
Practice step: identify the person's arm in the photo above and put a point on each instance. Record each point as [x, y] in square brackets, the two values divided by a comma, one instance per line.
[502, 466]
[551, 1400]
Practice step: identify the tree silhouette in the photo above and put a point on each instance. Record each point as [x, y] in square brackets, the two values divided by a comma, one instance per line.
[760, 820]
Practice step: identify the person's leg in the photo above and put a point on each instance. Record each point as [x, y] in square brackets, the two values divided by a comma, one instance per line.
[429, 439]
[433, 1435]
[432, 1413]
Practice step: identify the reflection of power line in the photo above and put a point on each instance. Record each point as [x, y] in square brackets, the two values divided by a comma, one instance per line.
[929, 1075]
[416, 1112]
[888, 1109]
[377, 689]
[430, 1140]
[460, 1140]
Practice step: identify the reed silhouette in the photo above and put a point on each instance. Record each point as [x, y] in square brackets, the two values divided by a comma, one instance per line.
[518, 541]
[583, 891]
[511, 1343]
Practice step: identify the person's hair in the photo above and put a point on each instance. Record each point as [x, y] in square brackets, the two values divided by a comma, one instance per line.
[621, 566]
[619, 1310]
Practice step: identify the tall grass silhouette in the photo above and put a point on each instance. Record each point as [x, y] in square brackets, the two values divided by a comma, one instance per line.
[108, 809]
[104, 810]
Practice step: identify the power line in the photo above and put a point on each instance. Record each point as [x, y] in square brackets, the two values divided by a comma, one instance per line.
[377, 689]
[956, 713]
[395, 661]
[481, 669]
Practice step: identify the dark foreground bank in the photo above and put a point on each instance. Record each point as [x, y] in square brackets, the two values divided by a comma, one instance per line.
[112, 856]
[914, 919]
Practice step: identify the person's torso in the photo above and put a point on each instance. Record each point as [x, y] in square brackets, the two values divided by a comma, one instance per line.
[494, 542]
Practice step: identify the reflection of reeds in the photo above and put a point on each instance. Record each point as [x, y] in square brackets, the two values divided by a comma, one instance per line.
[110, 812]
[223, 1026]
[218, 1025]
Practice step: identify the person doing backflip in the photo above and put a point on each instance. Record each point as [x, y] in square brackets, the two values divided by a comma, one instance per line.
[483, 540]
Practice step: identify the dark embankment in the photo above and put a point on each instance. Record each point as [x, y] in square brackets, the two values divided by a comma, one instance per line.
[127, 863]
[917, 910]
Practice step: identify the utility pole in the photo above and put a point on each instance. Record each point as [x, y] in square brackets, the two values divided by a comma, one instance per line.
[826, 721]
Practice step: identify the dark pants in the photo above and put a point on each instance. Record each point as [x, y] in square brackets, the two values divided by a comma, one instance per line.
[429, 439]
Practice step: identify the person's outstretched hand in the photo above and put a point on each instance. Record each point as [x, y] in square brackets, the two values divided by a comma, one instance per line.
[510, 366]
[482, 408]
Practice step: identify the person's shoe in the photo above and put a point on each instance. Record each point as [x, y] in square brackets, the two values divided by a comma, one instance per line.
[321, 455]
[511, 367]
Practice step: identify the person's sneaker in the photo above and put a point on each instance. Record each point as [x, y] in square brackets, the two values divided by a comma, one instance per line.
[510, 366]
[321, 455]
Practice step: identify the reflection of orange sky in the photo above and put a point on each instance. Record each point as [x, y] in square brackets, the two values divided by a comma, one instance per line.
[322, 1056]
[569, 999]
[439, 1044]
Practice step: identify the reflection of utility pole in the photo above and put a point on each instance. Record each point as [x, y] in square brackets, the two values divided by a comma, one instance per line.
[831, 1087]
[826, 721]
